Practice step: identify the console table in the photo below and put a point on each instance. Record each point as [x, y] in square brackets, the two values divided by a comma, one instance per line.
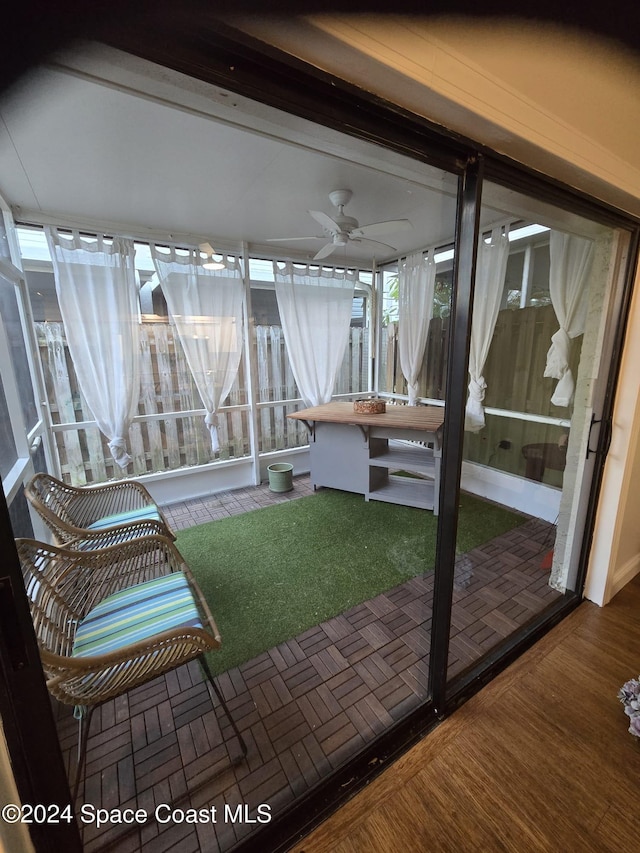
[360, 452]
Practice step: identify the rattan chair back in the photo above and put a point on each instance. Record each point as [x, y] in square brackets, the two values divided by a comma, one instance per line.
[68, 511]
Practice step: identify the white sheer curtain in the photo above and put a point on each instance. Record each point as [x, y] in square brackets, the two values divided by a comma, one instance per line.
[315, 307]
[98, 297]
[490, 277]
[571, 259]
[206, 307]
[416, 281]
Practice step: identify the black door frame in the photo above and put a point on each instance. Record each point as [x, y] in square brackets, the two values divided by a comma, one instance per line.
[468, 219]
[25, 709]
[232, 60]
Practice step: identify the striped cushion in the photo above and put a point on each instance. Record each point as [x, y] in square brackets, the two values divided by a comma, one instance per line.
[142, 514]
[136, 614]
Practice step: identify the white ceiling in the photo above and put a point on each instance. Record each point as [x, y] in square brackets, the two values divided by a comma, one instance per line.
[108, 139]
[103, 140]
[554, 96]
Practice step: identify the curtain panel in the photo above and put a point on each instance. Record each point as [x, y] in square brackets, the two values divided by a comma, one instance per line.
[98, 296]
[416, 282]
[570, 264]
[207, 309]
[315, 305]
[491, 272]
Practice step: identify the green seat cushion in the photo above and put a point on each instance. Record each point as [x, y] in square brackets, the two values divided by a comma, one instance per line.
[135, 614]
[141, 514]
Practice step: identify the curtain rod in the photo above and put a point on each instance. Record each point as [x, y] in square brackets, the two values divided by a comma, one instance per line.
[107, 228]
[110, 228]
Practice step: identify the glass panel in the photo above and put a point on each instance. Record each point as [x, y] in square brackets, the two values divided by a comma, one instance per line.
[432, 377]
[5, 251]
[532, 449]
[332, 585]
[19, 515]
[42, 291]
[525, 469]
[8, 450]
[13, 327]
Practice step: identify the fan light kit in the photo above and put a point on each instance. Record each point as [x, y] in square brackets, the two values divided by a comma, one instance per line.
[342, 229]
[210, 262]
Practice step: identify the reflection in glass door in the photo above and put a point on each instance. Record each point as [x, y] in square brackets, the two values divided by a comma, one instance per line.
[538, 352]
[324, 608]
[21, 422]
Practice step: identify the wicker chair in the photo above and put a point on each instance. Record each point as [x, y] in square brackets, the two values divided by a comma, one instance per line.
[94, 516]
[97, 634]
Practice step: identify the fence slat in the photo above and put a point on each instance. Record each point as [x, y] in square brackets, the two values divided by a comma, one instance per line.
[277, 384]
[62, 400]
[191, 444]
[264, 385]
[355, 340]
[137, 453]
[95, 467]
[164, 349]
[148, 398]
[296, 431]
[236, 398]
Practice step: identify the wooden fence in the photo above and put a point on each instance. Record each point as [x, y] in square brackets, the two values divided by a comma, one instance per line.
[514, 374]
[160, 440]
[432, 377]
[514, 371]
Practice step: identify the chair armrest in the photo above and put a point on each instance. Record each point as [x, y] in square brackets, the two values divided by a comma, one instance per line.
[93, 502]
[96, 678]
[88, 540]
[118, 486]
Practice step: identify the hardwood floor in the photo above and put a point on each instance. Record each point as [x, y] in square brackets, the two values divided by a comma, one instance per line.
[539, 760]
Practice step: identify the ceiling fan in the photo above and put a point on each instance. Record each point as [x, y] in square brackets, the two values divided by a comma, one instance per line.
[342, 229]
[212, 261]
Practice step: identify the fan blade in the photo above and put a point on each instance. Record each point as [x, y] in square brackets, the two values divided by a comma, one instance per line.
[379, 229]
[207, 248]
[326, 221]
[290, 239]
[325, 251]
[375, 242]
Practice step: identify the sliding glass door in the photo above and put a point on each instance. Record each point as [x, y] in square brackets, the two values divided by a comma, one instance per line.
[429, 538]
[547, 285]
[324, 603]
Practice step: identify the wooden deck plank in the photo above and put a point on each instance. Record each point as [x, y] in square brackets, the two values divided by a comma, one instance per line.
[305, 706]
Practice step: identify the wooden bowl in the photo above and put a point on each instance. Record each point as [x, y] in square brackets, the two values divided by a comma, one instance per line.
[369, 407]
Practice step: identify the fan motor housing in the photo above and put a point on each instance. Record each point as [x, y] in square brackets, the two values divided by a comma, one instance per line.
[346, 223]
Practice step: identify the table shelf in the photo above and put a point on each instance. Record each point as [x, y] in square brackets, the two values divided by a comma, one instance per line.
[406, 491]
[420, 491]
[405, 457]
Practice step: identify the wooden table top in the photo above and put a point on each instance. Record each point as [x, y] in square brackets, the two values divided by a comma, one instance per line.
[427, 418]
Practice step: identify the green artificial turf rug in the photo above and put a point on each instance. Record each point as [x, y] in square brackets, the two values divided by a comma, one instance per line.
[270, 574]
